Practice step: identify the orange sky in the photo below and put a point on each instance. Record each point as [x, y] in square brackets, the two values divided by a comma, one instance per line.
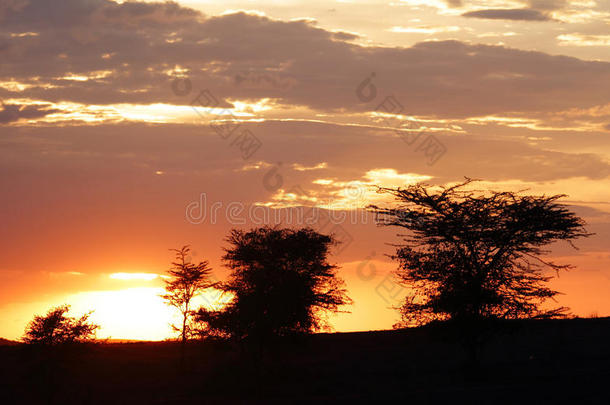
[111, 131]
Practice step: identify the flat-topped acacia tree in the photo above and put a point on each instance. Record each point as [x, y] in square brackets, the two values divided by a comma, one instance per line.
[474, 254]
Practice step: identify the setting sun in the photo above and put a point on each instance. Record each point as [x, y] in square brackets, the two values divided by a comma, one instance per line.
[133, 313]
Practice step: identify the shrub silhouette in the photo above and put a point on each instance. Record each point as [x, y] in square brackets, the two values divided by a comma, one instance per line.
[476, 255]
[281, 284]
[57, 328]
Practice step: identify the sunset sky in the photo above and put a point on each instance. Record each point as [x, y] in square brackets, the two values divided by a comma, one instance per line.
[129, 128]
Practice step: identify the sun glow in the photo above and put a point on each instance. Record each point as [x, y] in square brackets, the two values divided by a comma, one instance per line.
[137, 313]
[132, 313]
[134, 276]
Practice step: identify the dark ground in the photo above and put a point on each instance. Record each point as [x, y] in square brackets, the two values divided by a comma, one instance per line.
[537, 362]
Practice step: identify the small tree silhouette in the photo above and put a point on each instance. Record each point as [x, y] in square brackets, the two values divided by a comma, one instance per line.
[56, 328]
[476, 254]
[187, 280]
[281, 284]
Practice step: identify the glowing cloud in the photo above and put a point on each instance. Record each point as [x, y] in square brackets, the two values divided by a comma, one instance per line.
[583, 40]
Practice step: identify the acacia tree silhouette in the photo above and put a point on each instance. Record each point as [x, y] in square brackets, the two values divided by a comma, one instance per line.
[187, 280]
[281, 283]
[475, 254]
[57, 328]
[52, 336]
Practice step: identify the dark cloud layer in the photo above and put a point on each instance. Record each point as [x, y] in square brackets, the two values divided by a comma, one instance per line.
[12, 112]
[547, 4]
[133, 47]
[519, 14]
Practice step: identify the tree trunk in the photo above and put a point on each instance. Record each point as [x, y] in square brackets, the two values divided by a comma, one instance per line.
[183, 344]
[184, 328]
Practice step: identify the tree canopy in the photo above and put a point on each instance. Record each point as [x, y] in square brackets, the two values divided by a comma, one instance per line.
[57, 328]
[281, 283]
[475, 254]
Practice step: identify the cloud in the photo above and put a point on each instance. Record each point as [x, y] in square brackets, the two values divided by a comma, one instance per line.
[547, 5]
[104, 53]
[518, 14]
[14, 112]
[301, 168]
[425, 29]
[345, 36]
[584, 40]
